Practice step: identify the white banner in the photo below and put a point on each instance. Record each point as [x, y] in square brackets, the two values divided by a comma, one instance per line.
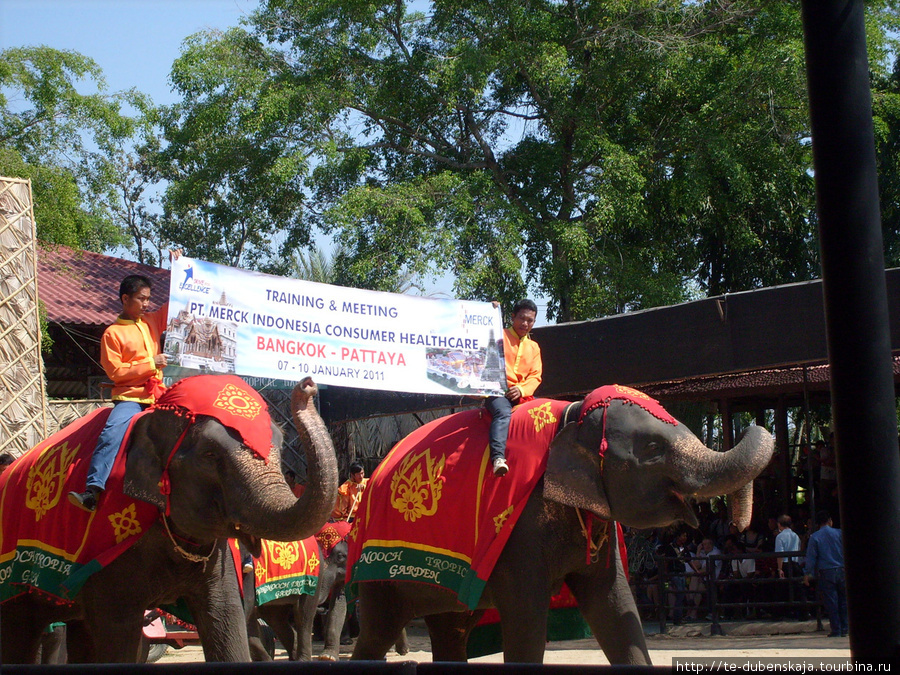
[226, 320]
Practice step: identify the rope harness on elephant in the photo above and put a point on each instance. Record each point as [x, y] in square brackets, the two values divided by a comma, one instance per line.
[192, 557]
[601, 398]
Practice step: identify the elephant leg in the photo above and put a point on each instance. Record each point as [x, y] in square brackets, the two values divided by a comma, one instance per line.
[305, 617]
[218, 611]
[20, 631]
[449, 634]
[258, 651]
[278, 616]
[381, 618]
[606, 602]
[79, 643]
[523, 609]
[402, 645]
[337, 613]
[112, 625]
[53, 646]
[254, 640]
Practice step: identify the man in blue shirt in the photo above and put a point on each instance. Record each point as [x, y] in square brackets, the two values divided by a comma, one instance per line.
[825, 558]
[786, 540]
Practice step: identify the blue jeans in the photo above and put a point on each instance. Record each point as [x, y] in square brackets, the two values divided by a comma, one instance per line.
[834, 595]
[110, 440]
[500, 410]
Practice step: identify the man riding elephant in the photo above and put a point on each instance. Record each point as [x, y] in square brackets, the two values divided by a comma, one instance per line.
[129, 353]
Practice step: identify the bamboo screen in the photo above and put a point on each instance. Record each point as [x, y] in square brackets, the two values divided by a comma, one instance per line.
[23, 419]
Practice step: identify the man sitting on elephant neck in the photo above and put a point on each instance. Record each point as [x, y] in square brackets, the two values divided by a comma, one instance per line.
[523, 375]
[129, 353]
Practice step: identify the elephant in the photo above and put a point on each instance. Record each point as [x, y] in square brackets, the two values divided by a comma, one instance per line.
[616, 456]
[291, 618]
[208, 487]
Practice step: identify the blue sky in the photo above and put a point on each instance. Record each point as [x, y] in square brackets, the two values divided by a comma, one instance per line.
[133, 41]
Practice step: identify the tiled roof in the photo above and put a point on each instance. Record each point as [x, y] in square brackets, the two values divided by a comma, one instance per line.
[79, 287]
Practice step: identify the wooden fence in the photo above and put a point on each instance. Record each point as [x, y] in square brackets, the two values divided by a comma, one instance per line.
[23, 420]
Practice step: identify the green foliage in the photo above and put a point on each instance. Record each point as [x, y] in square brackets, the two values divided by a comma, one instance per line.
[61, 139]
[234, 164]
[608, 155]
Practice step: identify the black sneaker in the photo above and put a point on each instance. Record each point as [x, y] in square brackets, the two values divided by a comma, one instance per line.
[86, 501]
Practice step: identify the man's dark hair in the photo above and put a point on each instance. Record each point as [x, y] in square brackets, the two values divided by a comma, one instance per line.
[822, 517]
[785, 520]
[356, 467]
[7, 458]
[290, 474]
[132, 284]
[525, 303]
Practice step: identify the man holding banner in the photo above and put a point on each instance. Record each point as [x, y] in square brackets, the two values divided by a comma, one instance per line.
[129, 353]
[523, 375]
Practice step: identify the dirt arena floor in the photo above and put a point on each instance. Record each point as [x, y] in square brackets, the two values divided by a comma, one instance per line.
[787, 640]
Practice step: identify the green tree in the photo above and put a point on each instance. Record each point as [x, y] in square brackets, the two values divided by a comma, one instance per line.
[235, 173]
[50, 132]
[608, 155]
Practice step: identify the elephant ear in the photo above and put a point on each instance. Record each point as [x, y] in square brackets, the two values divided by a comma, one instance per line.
[152, 439]
[573, 474]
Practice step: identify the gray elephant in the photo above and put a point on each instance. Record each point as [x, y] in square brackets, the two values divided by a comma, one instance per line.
[208, 487]
[617, 456]
[292, 617]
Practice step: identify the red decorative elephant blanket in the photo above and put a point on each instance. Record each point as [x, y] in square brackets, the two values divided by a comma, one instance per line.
[46, 543]
[433, 512]
[286, 568]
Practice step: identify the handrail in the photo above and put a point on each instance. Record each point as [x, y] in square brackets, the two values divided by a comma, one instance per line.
[667, 587]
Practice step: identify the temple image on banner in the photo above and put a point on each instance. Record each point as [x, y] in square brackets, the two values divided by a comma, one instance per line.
[467, 372]
[202, 344]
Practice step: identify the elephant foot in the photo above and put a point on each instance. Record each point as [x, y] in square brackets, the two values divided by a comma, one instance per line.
[326, 657]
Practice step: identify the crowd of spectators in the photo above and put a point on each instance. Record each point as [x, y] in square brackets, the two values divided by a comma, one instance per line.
[682, 553]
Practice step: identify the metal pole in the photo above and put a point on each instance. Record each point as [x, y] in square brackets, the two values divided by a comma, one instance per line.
[856, 320]
[810, 487]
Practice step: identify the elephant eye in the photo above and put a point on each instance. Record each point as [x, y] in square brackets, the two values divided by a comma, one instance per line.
[651, 451]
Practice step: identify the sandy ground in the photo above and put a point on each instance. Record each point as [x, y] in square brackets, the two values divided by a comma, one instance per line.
[792, 639]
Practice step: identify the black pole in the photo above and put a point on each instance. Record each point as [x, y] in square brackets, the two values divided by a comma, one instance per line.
[810, 484]
[856, 320]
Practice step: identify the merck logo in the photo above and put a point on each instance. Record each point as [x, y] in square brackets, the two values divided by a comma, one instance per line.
[478, 320]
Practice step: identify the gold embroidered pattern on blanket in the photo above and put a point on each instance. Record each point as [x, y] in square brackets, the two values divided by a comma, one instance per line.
[47, 478]
[416, 485]
[125, 523]
[238, 402]
[542, 416]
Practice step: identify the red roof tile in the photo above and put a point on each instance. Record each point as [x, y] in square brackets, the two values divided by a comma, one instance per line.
[80, 287]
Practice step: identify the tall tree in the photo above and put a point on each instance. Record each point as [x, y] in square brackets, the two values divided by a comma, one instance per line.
[235, 172]
[609, 155]
[50, 132]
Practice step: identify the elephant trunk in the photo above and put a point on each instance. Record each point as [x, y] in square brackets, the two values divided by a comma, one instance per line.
[284, 517]
[703, 472]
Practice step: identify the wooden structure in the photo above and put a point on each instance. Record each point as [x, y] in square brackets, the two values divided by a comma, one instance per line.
[23, 420]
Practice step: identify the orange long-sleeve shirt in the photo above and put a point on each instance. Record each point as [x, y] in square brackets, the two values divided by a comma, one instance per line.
[127, 350]
[523, 362]
[349, 495]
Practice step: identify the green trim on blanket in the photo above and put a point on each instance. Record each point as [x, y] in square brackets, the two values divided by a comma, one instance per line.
[564, 623]
[281, 588]
[382, 563]
[36, 567]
